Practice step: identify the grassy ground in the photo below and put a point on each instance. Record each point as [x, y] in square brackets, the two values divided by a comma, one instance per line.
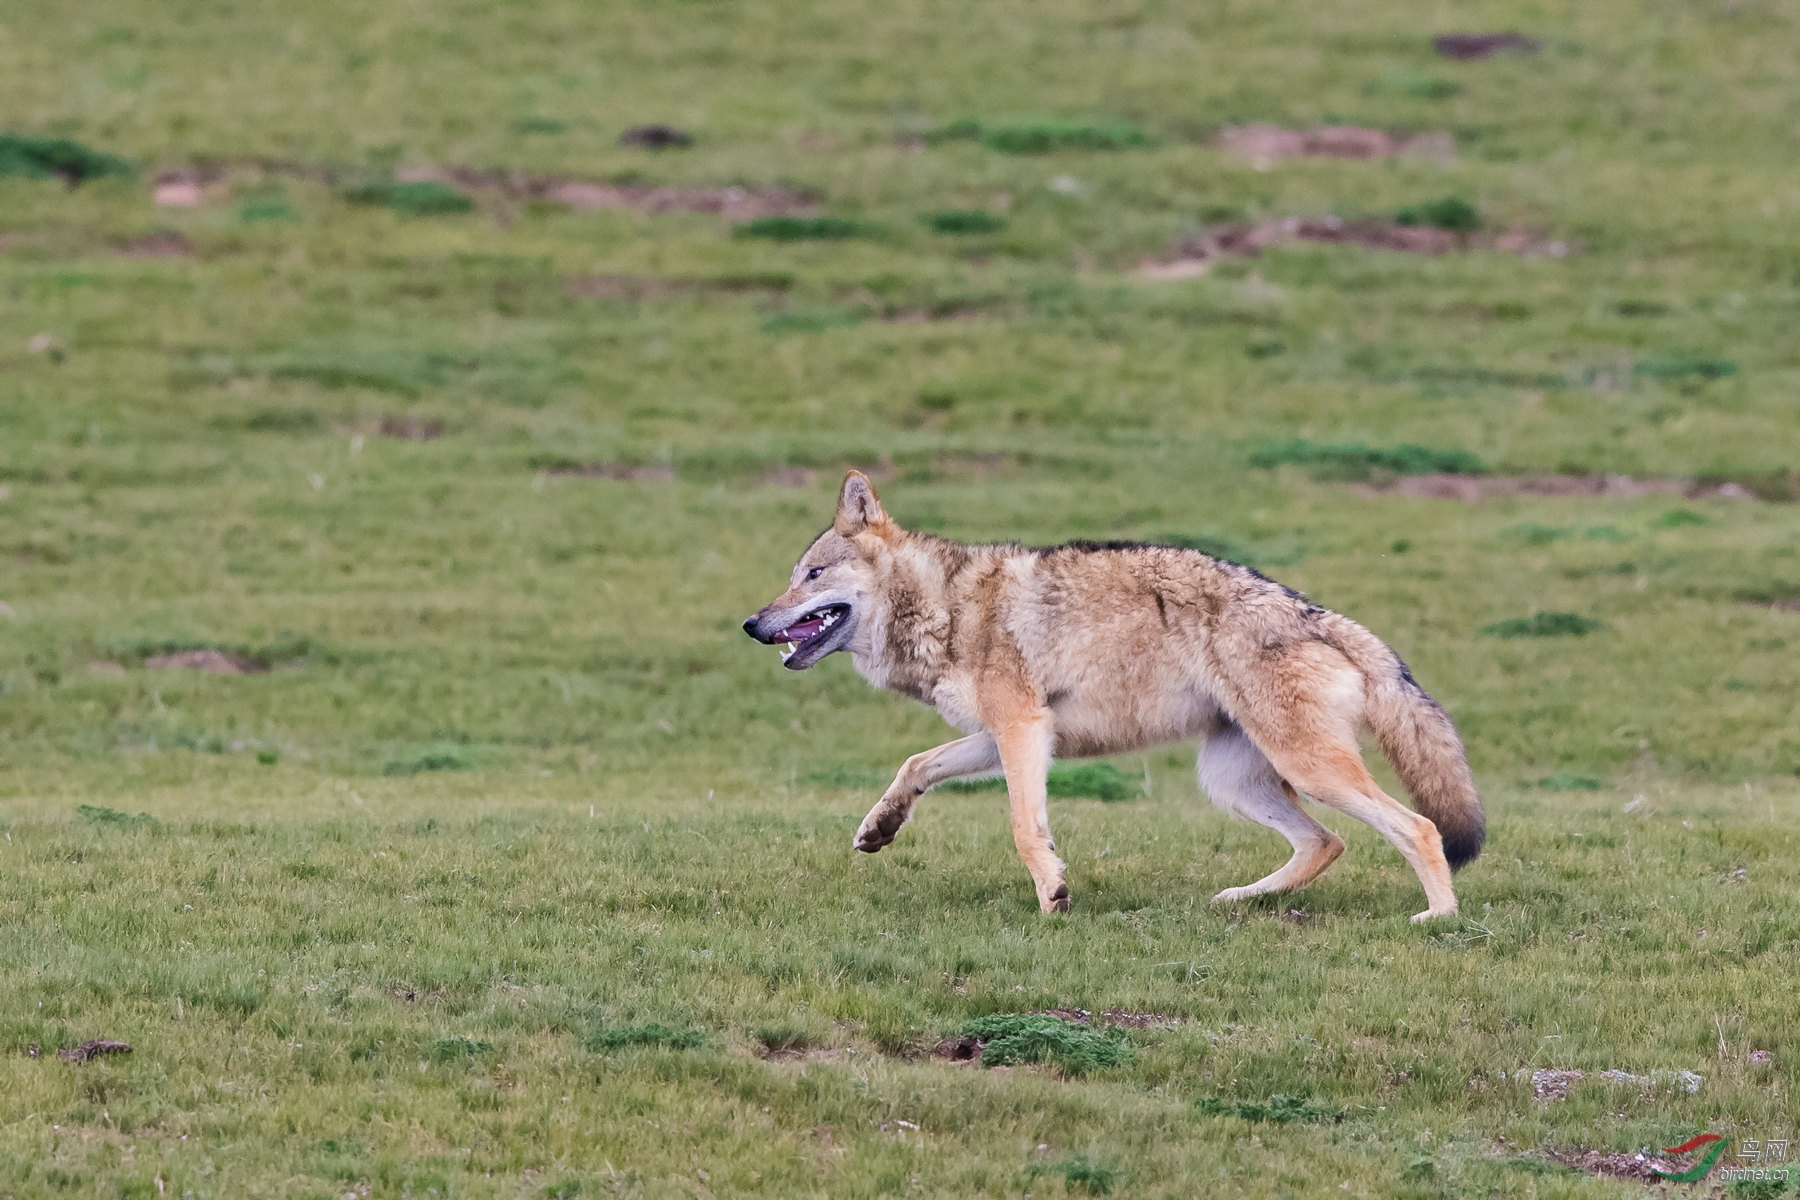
[399, 913]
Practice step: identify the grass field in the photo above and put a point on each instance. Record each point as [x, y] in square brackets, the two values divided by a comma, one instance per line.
[464, 436]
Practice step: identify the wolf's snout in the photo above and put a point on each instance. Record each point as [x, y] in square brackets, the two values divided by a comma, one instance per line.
[750, 627]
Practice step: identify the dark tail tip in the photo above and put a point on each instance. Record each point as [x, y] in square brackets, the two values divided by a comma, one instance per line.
[1463, 845]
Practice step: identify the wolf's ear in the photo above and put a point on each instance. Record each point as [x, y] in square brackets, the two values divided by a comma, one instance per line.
[858, 506]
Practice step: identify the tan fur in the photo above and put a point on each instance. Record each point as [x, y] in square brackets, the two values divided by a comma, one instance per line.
[1083, 650]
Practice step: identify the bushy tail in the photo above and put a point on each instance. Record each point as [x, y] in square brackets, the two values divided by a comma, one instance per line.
[1418, 738]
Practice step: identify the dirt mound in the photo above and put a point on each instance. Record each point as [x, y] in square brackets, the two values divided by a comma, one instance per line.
[213, 662]
[1264, 145]
[1611, 1164]
[1238, 239]
[733, 202]
[163, 243]
[1472, 489]
[1466, 46]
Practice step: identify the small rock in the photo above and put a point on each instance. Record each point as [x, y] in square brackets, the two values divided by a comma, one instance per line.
[41, 343]
[1067, 185]
[7, 611]
[1762, 1056]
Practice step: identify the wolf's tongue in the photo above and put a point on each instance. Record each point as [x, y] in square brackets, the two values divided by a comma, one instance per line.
[801, 631]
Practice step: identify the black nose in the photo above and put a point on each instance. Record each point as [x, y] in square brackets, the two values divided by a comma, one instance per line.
[750, 626]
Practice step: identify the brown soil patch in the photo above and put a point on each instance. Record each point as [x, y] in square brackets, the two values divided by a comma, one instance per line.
[651, 287]
[1472, 489]
[213, 662]
[188, 188]
[90, 1050]
[958, 1050]
[1195, 255]
[1138, 1020]
[164, 243]
[1609, 1164]
[626, 472]
[735, 203]
[410, 429]
[656, 137]
[1549, 1085]
[1466, 46]
[1264, 145]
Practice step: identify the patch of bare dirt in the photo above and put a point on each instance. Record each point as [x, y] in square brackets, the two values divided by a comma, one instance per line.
[1609, 1164]
[803, 1056]
[656, 137]
[90, 1050]
[1549, 1085]
[651, 287]
[411, 429]
[1264, 145]
[1128, 1019]
[731, 201]
[958, 1050]
[213, 662]
[626, 472]
[1472, 489]
[880, 470]
[164, 243]
[1195, 255]
[191, 187]
[1467, 46]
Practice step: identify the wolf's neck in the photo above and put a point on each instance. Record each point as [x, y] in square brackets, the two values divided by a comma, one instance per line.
[909, 639]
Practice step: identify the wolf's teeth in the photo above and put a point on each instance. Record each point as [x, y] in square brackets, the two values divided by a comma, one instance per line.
[787, 650]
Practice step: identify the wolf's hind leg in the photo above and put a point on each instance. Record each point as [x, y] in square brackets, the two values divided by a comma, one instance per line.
[1240, 780]
[1313, 745]
[920, 773]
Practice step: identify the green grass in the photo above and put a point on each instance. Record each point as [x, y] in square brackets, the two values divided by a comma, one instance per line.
[521, 872]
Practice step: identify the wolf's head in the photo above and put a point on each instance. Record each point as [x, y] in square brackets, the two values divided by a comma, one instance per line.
[833, 584]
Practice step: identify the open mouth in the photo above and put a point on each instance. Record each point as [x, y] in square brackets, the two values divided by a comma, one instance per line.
[810, 628]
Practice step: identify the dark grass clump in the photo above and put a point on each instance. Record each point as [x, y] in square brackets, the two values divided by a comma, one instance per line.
[1355, 462]
[603, 1038]
[1009, 1038]
[1084, 1174]
[964, 221]
[446, 757]
[56, 158]
[418, 198]
[1676, 367]
[1452, 213]
[455, 1049]
[1085, 781]
[112, 818]
[1414, 85]
[1280, 1110]
[1045, 137]
[1543, 624]
[1568, 781]
[813, 321]
[800, 229]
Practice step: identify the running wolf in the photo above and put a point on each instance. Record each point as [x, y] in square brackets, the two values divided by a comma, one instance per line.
[1098, 648]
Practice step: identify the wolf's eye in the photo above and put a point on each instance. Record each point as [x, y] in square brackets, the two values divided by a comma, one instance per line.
[815, 572]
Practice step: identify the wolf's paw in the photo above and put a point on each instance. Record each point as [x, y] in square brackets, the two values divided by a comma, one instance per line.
[1432, 914]
[879, 828]
[1230, 894]
[1057, 901]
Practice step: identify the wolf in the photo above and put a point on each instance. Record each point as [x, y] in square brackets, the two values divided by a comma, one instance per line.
[1094, 648]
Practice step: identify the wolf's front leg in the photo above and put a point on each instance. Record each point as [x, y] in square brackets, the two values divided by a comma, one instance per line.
[921, 773]
[1025, 742]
